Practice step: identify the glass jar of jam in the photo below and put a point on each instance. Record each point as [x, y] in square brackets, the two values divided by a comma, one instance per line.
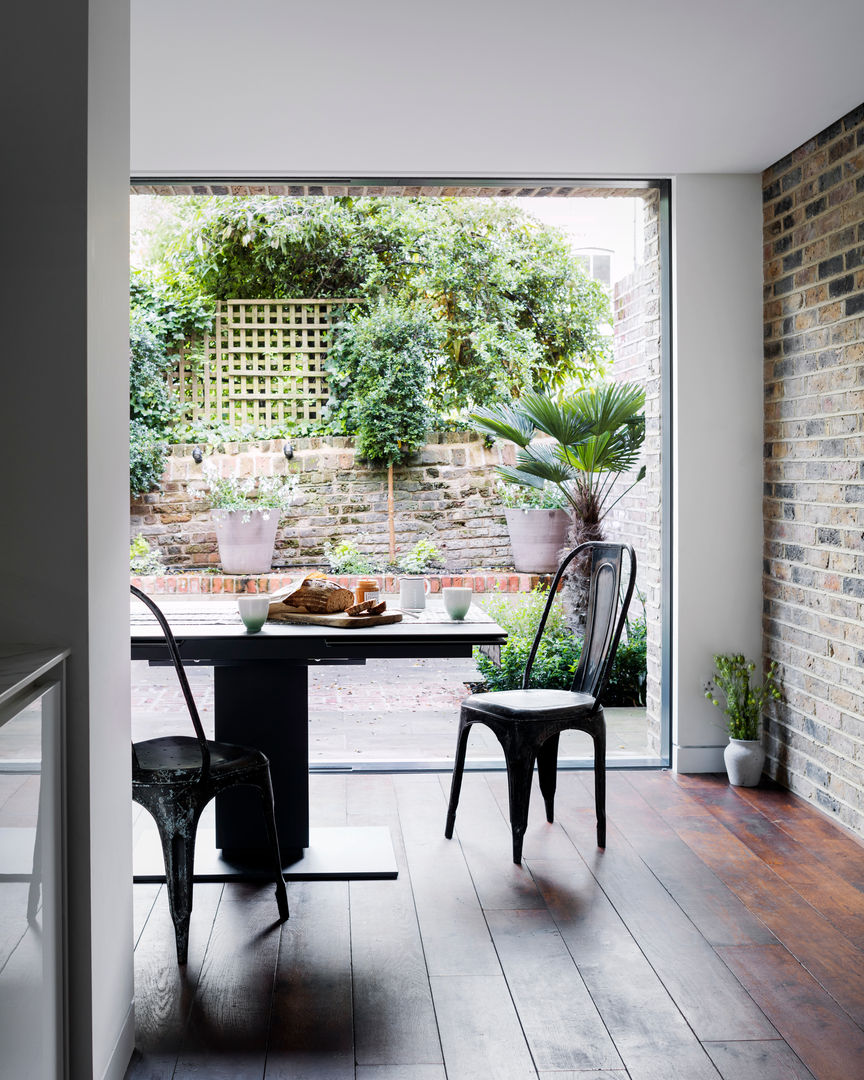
[367, 589]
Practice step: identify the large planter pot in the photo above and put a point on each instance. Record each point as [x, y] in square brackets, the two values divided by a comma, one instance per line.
[744, 759]
[536, 537]
[246, 547]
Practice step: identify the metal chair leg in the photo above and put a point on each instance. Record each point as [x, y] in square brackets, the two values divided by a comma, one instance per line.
[179, 849]
[265, 788]
[547, 774]
[520, 773]
[599, 736]
[456, 780]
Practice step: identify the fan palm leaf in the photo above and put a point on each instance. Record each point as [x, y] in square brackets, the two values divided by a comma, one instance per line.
[506, 422]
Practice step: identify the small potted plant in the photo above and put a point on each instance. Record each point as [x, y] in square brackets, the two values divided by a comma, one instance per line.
[246, 512]
[743, 705]
[537, 522]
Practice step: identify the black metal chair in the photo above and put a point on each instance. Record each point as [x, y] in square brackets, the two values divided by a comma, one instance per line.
[174, 778]
[528, 722]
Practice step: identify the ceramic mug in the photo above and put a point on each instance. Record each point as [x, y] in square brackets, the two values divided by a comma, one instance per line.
[253, 611]
[457, 601]
[412, 593]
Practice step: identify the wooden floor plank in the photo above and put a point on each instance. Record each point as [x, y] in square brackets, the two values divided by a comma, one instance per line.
[456, 940]
[818, 1030]
[709, 903]
[484, 834]
[401, 1072]
[703, 988]
[645, 1024]
[824, 951]
[771, 1059]
[328, 797]
[480, 1031]
[312, 1022]
[226, 1038]
[143, 899]
[164, 991]
[826, 891]
[827, 841]
[560, 1021]
[393, 1013]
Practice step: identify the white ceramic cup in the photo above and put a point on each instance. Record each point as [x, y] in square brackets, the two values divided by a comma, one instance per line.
[253, 611]
[457, 601]
[412, 593]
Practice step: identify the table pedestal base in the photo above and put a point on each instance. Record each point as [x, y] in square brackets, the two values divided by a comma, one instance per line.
[349, 853]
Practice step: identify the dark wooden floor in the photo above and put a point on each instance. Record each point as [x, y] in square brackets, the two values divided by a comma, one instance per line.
[720, 934]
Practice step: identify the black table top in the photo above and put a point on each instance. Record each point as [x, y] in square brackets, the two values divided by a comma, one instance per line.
[213, 631]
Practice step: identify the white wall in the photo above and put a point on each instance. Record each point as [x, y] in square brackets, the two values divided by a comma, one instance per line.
[717, 457]
[63, 571]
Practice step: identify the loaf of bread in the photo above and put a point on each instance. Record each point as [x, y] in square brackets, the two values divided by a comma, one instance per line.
[319, 596]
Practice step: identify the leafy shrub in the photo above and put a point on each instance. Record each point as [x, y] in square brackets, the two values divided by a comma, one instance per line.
[247, 493]
[420, 558]
[516, 308]
[521, 497]
[346, 558]
[142, 558]
[146, 458]
[559, 651]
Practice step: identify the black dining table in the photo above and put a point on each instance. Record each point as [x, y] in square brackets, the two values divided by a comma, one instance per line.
[261, 699]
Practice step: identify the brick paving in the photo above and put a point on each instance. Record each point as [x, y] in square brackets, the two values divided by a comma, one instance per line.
[386, 710]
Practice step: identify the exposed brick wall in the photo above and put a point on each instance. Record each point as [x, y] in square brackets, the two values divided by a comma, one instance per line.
[636, 519]
[814, 466]
[445, 493]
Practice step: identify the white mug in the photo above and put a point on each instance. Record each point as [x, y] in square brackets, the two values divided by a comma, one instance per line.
[253, 611]
[457, 601]
[412, 593]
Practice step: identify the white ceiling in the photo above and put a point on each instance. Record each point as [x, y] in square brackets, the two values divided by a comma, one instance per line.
[478, 88]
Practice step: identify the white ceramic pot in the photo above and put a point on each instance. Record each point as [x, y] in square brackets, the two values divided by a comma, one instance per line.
[744, 759]
[536, 537]
[246, 547]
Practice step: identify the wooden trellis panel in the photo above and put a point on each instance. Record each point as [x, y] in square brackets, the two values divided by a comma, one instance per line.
[262, 365]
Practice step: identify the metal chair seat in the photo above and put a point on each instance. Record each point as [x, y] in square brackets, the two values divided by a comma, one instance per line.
[533, 704]
[177, 757]
[528, 722]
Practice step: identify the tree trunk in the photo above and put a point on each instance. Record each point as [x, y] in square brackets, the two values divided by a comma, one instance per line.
[574, 593]
[391, 525]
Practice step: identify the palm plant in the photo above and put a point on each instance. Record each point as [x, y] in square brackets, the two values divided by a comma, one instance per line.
[593, 438]
[586, 442]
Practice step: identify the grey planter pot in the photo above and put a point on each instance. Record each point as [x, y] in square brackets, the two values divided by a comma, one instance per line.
[536, 537]
[246, 547]
[744, 759]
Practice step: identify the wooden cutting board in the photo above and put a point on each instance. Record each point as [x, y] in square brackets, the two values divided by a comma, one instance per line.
[339, 621]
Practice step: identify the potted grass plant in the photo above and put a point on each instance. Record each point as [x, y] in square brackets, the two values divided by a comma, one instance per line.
[743, 705]
[246, 512]
[537, 522]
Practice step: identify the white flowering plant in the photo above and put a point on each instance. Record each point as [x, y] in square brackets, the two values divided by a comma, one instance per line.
[247, 493]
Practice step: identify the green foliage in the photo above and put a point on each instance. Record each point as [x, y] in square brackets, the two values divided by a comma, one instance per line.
[165, 312]
[346, 558]
[742, 703]
[520, 497]
[514, 306]
[559, 651]
[146, 458]
[247, 493]
[420, 558]
[596, 434]
[380, 369]
[142, 558]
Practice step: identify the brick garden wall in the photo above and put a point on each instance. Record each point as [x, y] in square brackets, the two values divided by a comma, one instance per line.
[445, 493]
[814, 466]
[637, 519]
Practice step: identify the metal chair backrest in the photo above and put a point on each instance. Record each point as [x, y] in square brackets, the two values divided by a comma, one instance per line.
[181, 675]
[607, 613]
